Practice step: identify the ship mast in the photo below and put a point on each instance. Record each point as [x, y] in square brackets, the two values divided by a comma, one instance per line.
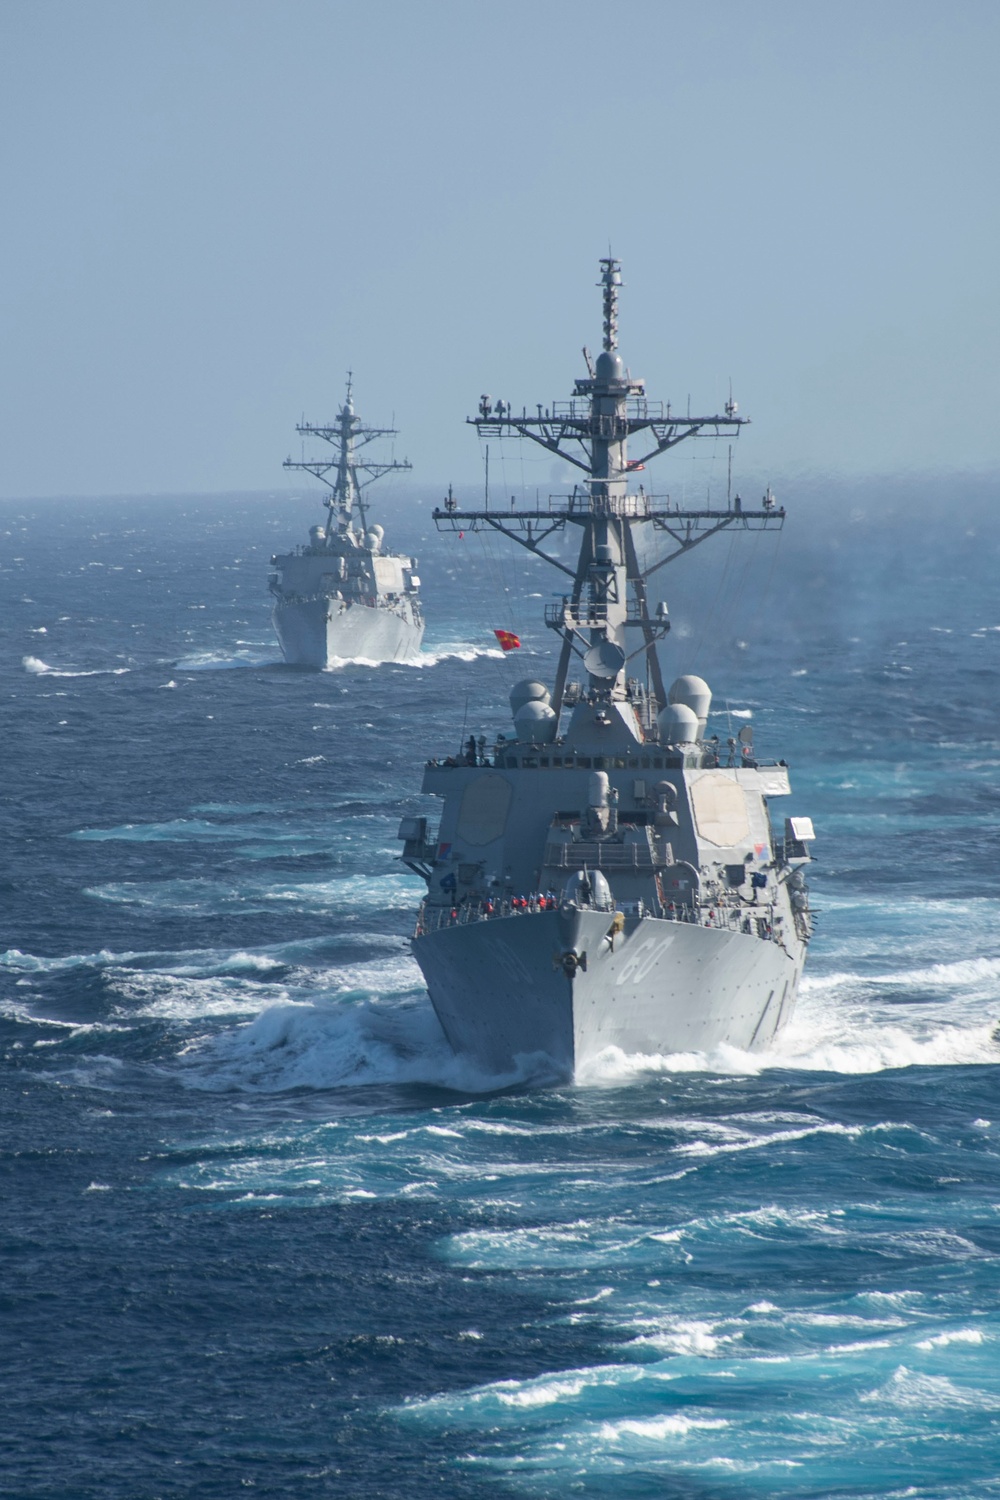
[344, 474]
[608, 597]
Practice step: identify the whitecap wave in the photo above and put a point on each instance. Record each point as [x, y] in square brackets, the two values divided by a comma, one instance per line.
[657, 1429]
[911, 1389]
[533, 1394]
[972, 1336]
[183, 999]
[31, 963]
[247, 984]
[304, 956]
[688, 1336]
[39, 668]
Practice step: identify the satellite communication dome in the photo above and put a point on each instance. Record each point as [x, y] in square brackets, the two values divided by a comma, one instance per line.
[527, 691]
[678, 724]
[694, 693]
[535, 723]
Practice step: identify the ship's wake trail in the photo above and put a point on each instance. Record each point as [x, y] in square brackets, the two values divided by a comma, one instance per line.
[457, 651]
[450, 651]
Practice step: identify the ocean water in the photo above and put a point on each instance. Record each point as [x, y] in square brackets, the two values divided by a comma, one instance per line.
[262, 1231]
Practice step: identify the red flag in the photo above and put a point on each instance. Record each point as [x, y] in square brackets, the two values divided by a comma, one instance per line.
[508, 640]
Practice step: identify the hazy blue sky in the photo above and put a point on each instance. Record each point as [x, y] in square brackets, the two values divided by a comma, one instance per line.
[213, 207]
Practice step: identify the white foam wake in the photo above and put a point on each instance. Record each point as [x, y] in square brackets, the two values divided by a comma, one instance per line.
[223, 661]
[805, 1048]
[457, 651]
[849, 1023]
[294, 1017]
[983, 973]
[330, 1044]
[338, 663]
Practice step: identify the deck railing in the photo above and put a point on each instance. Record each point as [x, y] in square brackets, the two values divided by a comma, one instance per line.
[748, 919]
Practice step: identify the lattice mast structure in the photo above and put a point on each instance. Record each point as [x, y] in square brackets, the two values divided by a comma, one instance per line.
[608, 597]
[345, 474]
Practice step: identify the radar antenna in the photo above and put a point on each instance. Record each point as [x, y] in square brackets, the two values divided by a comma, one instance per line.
[611, 280]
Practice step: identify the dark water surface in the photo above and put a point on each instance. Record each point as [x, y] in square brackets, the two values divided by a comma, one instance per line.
[262, 1231]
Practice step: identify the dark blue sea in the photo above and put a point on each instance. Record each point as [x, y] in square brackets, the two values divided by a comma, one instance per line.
[262, 1232]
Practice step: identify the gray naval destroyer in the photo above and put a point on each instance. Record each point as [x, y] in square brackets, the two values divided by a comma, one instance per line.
[343, 596]
[608, 875]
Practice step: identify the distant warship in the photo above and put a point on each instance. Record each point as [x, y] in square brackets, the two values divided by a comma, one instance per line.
[608, 875]
[342, 596]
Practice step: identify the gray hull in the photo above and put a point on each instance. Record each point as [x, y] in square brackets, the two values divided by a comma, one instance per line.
[316, 632]
[666, 987]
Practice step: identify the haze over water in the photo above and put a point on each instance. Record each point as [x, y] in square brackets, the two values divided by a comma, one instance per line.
[217, 210]
[263, 1230]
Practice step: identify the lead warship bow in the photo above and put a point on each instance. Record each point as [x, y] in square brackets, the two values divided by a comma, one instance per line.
[342, 596]
[608, 876]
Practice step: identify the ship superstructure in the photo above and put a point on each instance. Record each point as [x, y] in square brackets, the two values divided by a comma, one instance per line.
[343, 596]
[607, 875]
